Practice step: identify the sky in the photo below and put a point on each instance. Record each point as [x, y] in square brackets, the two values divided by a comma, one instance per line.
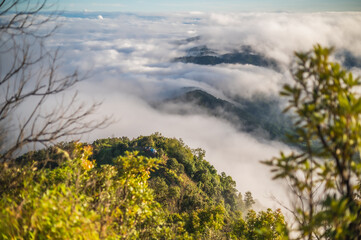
[210, 5]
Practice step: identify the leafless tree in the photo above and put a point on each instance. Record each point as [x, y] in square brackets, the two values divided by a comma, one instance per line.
[31, 82]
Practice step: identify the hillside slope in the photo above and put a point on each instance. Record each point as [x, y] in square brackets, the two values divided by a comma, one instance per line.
[150, 187]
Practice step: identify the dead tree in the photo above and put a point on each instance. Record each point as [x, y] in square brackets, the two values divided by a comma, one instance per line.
[34, 108]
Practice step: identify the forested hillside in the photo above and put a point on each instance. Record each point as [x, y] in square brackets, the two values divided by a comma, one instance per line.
[258, 116]
[149, 188]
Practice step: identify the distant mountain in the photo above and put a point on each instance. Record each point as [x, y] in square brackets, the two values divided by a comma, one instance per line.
[188, 40]
[349, 60]
[261, 116]
[200, 51]
[202, 55]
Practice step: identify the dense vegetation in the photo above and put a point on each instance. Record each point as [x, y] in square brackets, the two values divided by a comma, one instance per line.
[147, 188]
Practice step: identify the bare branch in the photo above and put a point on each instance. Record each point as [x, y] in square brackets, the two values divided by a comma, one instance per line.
[32, 79]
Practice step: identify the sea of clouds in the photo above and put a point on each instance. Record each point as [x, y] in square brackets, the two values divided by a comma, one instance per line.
[129, 61]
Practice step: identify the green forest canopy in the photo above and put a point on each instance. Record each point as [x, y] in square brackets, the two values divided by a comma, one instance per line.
[150, 187]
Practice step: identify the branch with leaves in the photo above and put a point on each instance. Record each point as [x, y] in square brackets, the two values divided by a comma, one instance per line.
[326, 174]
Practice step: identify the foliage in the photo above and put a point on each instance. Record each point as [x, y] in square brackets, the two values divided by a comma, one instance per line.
[79, 200]
[264, 225]
[170, 193]
[248, 200]
[325, 175]
[205, 222]
[200, 203]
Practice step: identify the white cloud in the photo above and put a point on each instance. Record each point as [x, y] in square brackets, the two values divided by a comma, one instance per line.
[129, 58]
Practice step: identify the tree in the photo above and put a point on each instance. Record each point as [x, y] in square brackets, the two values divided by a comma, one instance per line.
[77, 200]
[325, 174]
[265, 225]
[30, 79]
[248, 200]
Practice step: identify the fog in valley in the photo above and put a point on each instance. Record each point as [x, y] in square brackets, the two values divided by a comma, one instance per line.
[136, 63]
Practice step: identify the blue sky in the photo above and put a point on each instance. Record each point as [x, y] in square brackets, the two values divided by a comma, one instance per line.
[210, 5]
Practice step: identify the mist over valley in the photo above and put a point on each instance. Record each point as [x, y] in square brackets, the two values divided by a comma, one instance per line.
[210, 79]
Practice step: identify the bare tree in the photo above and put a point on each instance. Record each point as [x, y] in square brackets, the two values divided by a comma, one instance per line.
[30, 83]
